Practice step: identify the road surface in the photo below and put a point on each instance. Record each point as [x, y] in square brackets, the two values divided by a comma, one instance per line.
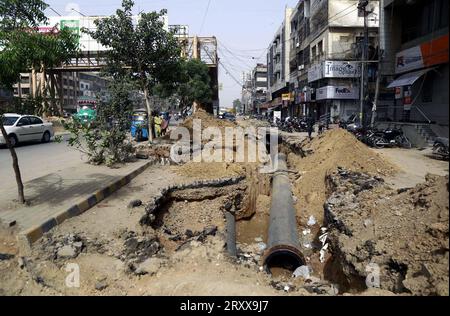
[37, 160]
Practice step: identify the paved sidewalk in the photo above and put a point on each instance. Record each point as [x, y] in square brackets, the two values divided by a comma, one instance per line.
[72, 188]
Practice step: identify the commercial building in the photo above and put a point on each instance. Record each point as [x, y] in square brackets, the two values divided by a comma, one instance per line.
[327, 38]
[415, 65]
[278, 74]
[254, 90]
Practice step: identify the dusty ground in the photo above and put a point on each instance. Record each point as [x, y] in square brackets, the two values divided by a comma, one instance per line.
[180, 249]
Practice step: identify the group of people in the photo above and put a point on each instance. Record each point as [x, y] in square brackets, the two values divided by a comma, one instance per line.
[161, 124]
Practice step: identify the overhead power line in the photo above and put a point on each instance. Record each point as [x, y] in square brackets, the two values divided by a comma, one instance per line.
[204, 17]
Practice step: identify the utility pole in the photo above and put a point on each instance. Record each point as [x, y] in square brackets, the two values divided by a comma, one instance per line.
[362, 5]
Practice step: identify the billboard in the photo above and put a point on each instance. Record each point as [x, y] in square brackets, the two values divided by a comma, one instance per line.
[334, 69]
[77, 23]
[342, 69]
[427, 54]
[337, 93]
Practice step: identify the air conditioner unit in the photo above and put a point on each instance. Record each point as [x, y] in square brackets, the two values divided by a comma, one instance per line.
[301, 67]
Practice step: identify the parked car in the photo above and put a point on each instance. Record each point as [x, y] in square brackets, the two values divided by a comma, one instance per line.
[25, 128]
[228, 116]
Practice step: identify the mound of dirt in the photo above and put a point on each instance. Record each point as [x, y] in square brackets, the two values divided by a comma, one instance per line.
[335, 148]
[207, 120]
[405, 233]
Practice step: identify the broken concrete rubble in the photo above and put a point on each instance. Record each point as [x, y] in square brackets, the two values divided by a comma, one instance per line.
[398, 245]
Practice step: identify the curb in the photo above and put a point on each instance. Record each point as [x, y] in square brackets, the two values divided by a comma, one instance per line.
[28, 237]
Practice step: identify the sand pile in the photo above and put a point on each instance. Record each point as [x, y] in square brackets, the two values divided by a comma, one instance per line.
[335, 148]
[207, 120]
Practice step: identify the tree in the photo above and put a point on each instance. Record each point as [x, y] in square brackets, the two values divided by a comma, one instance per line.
[105, 139]
[143, 51]
[237, 105]
[192, 85]
[22, 48]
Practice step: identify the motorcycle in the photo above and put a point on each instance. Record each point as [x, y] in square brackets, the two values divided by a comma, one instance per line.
[388, 138]
[440, 147]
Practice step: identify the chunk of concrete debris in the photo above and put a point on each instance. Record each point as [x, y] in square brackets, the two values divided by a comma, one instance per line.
[150, 266]
[100, 286]
[312, 221]
[134, 204]
[303, 271]
[210, 231]
[6, 256]
[67, 252]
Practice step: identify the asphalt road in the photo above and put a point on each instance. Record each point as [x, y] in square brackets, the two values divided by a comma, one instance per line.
[37, 160]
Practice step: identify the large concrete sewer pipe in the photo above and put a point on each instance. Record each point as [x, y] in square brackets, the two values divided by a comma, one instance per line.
[283, 246]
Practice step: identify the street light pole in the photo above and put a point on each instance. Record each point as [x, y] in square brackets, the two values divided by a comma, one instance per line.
[362, 6]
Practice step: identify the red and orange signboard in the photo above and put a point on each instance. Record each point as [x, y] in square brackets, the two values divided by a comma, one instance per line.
[428, 54]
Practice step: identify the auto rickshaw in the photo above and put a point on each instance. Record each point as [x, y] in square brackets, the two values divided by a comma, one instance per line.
[139, 125]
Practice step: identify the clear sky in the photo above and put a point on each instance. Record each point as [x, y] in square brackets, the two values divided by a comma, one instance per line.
[244, 28]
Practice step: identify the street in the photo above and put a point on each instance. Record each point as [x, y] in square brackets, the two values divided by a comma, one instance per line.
[37, 160]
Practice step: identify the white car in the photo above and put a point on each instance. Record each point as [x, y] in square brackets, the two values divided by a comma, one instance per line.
[25, 128]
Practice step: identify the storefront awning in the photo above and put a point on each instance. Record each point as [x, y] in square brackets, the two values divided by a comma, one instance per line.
[409, 78]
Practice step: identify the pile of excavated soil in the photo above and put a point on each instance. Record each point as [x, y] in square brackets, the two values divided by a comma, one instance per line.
[406, 232]
[207, 120]
[335, 148]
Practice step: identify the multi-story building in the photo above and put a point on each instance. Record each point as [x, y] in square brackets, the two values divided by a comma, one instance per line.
[93, 86]
[415, 64]
[327, 42]
[259, 87]
[278, 74]
[27, 87]
[247, 94]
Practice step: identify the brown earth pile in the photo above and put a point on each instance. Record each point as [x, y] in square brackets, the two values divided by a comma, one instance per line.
[406, 233]
[207, 120]
[335, 148]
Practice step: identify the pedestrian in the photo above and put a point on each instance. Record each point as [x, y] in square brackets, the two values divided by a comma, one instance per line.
[310, 126]
[164, 125]
[157, 121]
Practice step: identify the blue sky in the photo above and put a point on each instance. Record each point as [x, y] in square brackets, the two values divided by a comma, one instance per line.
[244, 28]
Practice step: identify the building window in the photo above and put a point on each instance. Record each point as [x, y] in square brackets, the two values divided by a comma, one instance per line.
[313, 52]
[82, 86]
[25, 90]
[320, 48]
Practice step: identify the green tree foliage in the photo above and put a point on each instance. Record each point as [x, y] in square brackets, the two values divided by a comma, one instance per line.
[144, 51]
[105, 141]
[194, 83]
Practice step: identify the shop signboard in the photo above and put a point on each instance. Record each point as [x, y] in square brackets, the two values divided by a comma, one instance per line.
[337, 93]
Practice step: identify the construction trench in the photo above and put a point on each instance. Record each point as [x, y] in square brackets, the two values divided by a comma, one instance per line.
[313, 226]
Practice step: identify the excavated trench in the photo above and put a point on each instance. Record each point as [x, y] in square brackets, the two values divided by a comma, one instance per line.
[260, 233]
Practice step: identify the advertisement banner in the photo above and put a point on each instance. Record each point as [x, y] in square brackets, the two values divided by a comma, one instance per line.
[427, 54]
[286, 97]
[398, 93]
[337, 93]
[342, 69]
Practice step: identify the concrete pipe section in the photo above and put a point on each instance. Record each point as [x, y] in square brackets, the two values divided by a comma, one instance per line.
[283, 242]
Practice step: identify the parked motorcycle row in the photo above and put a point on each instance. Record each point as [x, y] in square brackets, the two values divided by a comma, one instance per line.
[379, 138]
[440, 148]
